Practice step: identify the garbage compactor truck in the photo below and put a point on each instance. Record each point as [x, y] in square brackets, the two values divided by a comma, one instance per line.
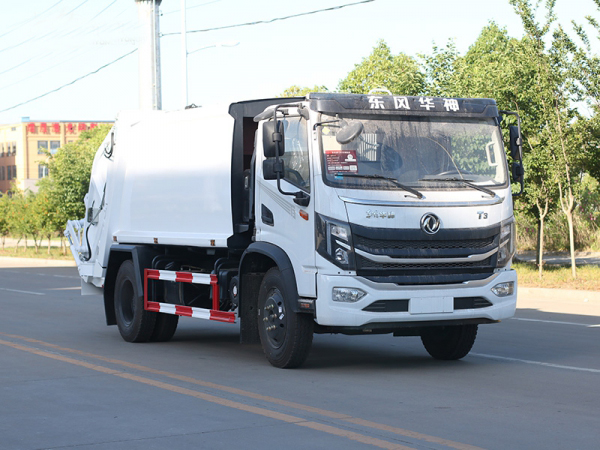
[333, 213]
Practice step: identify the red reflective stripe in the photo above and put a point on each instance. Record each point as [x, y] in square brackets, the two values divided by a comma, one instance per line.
[222, 316]
[184, 277]
[215, 291]
[152, 274]
[183, 310]
[153, 306]
[145, 287]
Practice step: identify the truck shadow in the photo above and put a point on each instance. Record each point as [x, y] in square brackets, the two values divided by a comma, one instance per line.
[532, 335]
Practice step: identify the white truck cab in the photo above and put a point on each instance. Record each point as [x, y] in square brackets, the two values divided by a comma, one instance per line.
[334, 213]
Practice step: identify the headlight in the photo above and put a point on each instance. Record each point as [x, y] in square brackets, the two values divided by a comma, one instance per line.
[334, 242]
[347, 295]
[504, 289]
[506, 249]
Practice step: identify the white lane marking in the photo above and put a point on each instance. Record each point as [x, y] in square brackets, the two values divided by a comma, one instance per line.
[76, 288]
[41, 274]
[537, 363]
[22, 292]
[556, 321]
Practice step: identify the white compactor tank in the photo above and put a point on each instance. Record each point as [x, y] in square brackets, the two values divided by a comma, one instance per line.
[160, 177]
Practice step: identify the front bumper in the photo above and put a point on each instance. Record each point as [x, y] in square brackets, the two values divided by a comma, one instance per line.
[424, 303]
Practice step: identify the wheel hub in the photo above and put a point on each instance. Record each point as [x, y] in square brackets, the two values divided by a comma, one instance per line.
[274, 319]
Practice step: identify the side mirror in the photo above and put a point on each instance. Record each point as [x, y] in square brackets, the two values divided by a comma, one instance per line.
[272, 138]
[518, 173]
[515, 142]
[272, 167]
[350, 132]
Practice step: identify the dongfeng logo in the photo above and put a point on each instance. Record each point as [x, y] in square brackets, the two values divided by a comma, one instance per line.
[430, 223]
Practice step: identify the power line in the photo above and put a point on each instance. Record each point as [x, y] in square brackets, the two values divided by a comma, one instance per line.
[192, 31]
[61, 33]
[77, 7]
[53, 32]
[260, 22]
[190, 7]
[115, 1]
[25, 22]
[72, 82]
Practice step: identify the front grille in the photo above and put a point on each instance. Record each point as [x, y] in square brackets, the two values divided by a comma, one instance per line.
[409, 244]
[367, 264]
[376, 245]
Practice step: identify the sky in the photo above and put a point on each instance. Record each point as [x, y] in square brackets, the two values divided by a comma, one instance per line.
[47, 44]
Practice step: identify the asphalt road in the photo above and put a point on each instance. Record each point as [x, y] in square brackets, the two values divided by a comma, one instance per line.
[69, 381]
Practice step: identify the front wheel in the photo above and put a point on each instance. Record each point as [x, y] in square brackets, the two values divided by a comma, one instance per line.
[450, 343]
[286, 336]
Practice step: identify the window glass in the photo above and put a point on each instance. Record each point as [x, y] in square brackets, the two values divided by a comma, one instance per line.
[42, 147]
[42, 171]
[423, 152]
[296, 152]
[54, 146]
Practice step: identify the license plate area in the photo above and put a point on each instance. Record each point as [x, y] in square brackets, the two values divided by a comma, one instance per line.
[431, 305]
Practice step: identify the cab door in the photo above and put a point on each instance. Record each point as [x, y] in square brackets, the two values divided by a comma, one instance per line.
[281, 221]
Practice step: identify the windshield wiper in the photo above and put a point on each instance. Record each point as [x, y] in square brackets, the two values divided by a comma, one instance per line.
[464, 181]
[380, 177]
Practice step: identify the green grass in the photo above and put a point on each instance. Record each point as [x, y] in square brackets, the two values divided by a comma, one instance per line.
[55, 253]
[558, 277]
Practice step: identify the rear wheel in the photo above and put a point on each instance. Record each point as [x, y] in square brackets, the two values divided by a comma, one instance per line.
[135, 324]
[450, 343]
[165, 327]
[286, 336]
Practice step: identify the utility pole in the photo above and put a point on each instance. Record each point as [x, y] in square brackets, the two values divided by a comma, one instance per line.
[149, 54]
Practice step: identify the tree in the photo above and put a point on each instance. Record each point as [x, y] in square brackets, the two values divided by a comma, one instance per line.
[302, 91]
[440, 70]
[69, 171]
[4, 228]
[399, 74]
[18, 223]
[587, 67]
[46, 212]
[555, 89]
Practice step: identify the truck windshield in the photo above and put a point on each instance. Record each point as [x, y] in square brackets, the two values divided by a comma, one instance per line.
[421, 152]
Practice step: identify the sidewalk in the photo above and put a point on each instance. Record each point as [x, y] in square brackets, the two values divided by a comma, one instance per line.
[11, 242]
[10, 262]
[561, 301]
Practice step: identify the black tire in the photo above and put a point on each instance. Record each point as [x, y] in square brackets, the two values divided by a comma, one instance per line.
[286, 337]
[165, 327]
[135, 324]
[450, 343]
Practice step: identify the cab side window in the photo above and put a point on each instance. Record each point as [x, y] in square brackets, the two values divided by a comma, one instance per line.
[296, 153]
